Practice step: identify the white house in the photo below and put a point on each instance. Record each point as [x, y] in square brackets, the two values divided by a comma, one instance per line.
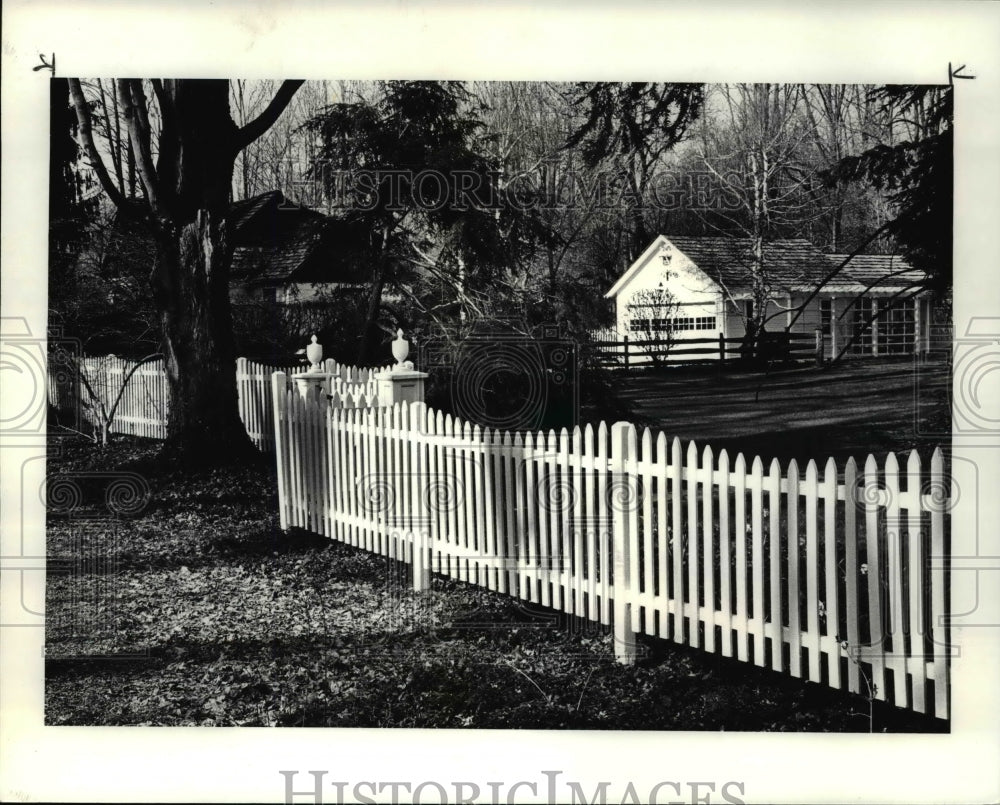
[708, 279]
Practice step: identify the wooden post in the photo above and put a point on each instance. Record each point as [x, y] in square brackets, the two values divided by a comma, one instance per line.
[874, 327]
[623, 452]
[833, 327]
[398, 385]
[420, 521]
[625, 342]
[241, 390]
[722, 349]
[820, 346]
[279, 384]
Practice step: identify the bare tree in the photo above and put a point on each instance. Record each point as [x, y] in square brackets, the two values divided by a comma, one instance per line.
[186, 189]
[757, 156]
[652, 313]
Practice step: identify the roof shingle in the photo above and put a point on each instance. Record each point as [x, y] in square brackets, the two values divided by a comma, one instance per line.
[876, 270]
[790, 264]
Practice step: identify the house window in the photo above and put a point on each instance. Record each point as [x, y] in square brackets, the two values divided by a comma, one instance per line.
[896, 327]
[680, 324]
[826, 317]
[862, 329]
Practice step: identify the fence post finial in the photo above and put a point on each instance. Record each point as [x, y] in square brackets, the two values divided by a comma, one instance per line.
[314, 354]
[400, 348]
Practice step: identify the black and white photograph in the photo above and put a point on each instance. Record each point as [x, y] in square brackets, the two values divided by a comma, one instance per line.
[405, 406]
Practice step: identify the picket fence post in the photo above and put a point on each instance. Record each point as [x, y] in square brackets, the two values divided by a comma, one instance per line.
[279, 382]
[419, 521]
[623, 453]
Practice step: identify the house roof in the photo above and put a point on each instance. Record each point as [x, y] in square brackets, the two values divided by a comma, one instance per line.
[277, 241]
[790, 263]
[793, 264]
[875, 270]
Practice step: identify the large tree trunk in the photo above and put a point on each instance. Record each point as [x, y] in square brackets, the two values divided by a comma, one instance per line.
[204, 422]
[191, 275]
[370, 327]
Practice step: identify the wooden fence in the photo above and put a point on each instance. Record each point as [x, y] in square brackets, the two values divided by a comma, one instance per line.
[94, 388]
[350, 386]
[145, 400]
[625, 350]
[824, 574]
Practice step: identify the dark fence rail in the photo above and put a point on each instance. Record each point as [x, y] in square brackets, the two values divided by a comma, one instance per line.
[770, 346]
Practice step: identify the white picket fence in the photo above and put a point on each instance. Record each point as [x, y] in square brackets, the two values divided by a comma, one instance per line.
[349, 385]
[142, 410]
[146, 398]
[823, 575]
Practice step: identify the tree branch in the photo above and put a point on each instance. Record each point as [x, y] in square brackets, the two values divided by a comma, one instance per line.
[836, 271]
[128, 376]
[256, 127]
[86, 138]
[139, 136]
[114, 135]
[166, 109]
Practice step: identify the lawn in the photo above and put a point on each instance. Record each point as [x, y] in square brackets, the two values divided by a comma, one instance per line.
[207, 614]
[872, 406]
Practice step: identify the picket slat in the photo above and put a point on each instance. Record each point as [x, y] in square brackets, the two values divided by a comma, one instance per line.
[694, 621]
[757, 559]
[915, 627]
[708, 546]
[644, 569]
[831, 565]
[725, 558]
[812, 571]
[663, 541]
[875, 650]
[531, 532]
[773, 483]
[852, 607]
[572, 517]
[631, 497]
[794, 583]
[506, 513]
[939, 631]
[896, 657]
[677, 539]
[592, 526]
[604, 517]
[740, 535]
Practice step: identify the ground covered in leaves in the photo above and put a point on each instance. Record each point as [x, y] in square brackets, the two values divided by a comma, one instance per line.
[174, 599]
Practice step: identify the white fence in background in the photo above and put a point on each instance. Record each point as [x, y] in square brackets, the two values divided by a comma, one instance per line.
[145, 400]
[142, 410]
[350, 387]
[832, 574]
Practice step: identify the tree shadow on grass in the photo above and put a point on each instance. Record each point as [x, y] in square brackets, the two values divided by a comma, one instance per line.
[739, 686]
[255, 544]
[394, 678]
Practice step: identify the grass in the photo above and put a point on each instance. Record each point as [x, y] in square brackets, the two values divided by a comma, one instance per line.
[871, 406]
[210, 615]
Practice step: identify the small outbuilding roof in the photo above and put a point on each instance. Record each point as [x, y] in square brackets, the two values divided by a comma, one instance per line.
[875, 270]
[793, 264]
